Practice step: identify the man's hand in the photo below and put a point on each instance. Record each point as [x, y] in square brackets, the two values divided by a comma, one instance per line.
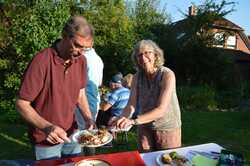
[90, 124]
[56, 134]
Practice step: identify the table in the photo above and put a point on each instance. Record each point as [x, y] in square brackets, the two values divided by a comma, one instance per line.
[149, 158]
[132, 158]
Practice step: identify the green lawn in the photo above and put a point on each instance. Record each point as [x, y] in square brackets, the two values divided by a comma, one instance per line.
[228, 129]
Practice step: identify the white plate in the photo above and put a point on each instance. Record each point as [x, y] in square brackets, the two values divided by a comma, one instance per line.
[94, 162]
[114, 129]
[160, 163]
[76, 135]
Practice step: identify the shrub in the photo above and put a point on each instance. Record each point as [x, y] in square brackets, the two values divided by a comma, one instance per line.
[199, 98]
[206, 98]
[31, 26]
[228, 98]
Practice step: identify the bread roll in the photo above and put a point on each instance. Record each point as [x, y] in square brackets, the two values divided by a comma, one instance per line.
[166, 159]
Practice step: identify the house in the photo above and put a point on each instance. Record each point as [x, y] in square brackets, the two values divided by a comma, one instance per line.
[229, 37]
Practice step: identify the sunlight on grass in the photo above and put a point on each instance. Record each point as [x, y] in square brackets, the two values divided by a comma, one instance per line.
[14, 140]
[228, 129]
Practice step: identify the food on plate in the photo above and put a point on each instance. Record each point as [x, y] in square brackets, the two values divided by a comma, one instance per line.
[174, 158]
[166, 159]
[90, 162]
[94, 137]
[173, 154]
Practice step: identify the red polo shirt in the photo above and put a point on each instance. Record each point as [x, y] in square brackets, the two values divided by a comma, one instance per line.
[52, 90]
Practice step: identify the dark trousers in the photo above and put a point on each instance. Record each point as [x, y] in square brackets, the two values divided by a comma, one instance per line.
[103, 118]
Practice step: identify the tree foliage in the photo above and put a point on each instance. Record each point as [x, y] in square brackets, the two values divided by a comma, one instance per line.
[29, 26]
[147, 16]
[114, 35]
[190, 46]
[26, 27]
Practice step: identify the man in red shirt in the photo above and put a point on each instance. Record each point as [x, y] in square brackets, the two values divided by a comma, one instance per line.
[53, 84]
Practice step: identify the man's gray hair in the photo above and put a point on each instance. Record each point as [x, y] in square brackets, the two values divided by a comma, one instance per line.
[157, 51]
[78, 25]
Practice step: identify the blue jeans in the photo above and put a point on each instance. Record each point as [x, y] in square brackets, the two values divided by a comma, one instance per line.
[57, 151]
[79, 119]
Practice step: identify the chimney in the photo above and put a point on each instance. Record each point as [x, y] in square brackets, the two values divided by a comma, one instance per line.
[192, 10]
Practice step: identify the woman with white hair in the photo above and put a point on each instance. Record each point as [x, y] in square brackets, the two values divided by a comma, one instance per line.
[154, 92]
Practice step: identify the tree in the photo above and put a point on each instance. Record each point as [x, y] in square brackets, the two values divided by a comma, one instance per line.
[28, 27]
[114, 36]
[196, 62]
[147, 17]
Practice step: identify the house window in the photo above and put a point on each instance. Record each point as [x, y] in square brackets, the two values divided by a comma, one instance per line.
[231, 42]
[219, 39]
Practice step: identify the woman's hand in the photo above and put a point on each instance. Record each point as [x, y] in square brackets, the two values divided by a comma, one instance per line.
[112, 121]
[124, 122]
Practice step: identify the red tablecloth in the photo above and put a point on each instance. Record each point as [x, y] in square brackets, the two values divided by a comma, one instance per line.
[132, 158]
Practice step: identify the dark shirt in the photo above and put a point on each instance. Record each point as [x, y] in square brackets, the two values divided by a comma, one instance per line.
[53, 90]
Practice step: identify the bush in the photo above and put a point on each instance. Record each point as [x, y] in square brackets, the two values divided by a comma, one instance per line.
[245, 89]
[228, 99]
[199, 98]
[29, 26]
[206, 98]
[32, 25]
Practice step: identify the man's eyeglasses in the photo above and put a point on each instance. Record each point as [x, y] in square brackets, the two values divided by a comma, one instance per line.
[78, 46]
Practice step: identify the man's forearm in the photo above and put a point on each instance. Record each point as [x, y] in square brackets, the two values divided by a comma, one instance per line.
[31, 116]
[85, 112]
[84, 105]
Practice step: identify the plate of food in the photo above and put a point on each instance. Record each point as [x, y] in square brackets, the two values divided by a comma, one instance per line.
[92, 138]
[172, 159]
[92, 162]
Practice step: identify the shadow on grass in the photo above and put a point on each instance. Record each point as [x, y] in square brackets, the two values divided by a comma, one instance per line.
[228, 129]
[14, 142]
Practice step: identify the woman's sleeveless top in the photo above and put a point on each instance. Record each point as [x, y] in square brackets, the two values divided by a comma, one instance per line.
[148, 94]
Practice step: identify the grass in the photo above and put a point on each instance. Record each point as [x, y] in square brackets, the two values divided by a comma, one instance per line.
[228, 129]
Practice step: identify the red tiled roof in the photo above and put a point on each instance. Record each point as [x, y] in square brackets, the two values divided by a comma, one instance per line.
[221, 23]
[245, 39]
[225, 23]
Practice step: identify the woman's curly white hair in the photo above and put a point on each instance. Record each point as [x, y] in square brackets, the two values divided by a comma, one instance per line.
[159, 61]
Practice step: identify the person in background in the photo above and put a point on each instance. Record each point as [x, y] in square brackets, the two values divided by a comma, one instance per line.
[127, 81]
[53, 84]
[95, 74]
[116, 99]
[154, 90]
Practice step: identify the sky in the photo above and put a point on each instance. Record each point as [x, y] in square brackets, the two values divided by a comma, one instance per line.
[239, 17]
